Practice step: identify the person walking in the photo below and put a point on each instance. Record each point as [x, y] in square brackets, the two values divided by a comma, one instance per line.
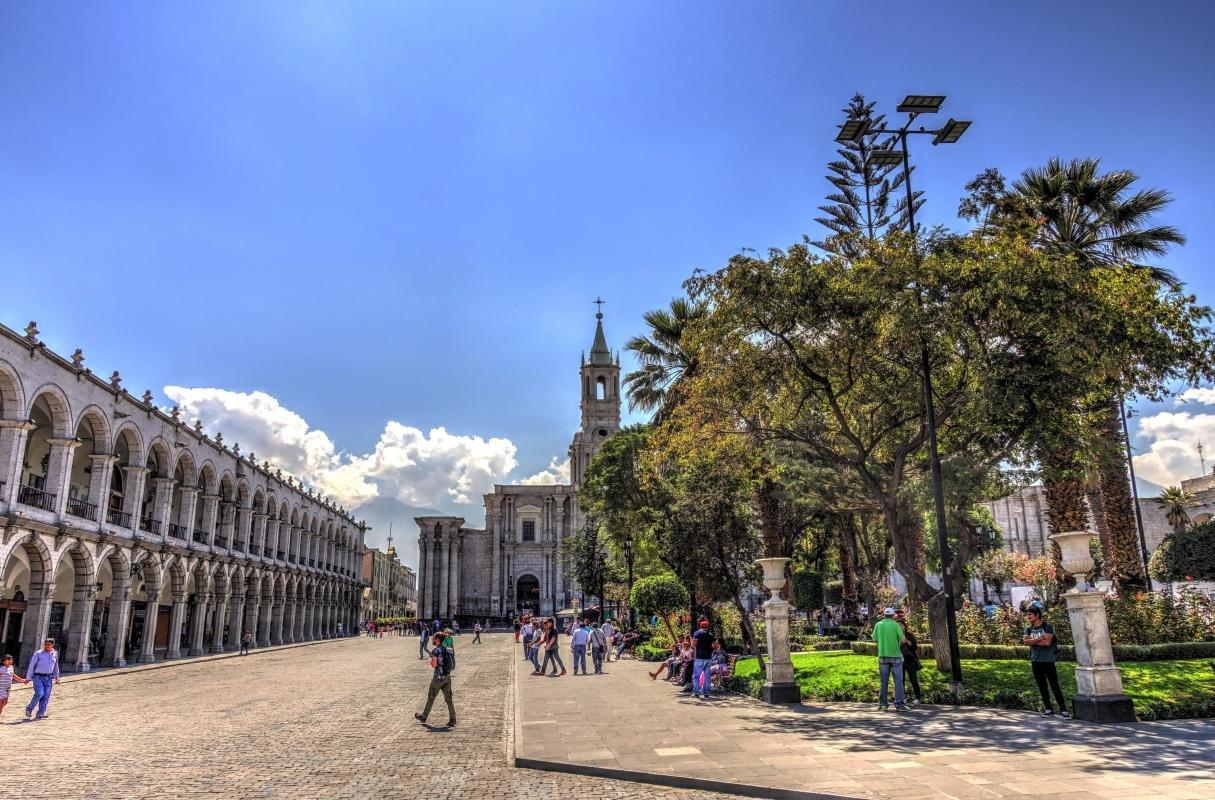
[517, 625]
[7, 676]
[551, 650]
[599, 646]
[702, 643]
[43, 672]
[525, 631]
[477, 632]
[423, 636]
[910, 648]
[440, 659]
[533, 647]
[1043, 652]
[889, 636]
[450, 644]
[608, 632]
[578, 642]
[246, 640]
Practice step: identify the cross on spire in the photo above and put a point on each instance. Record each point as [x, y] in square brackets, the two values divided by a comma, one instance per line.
[599, 301]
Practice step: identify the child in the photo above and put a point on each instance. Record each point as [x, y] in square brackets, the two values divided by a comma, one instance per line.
[7, 676]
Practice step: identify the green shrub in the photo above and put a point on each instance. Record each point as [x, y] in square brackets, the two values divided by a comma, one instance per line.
[1171, 651]
[651, 652]
[1188, 555]
[847, 633]
[807, 589]
[833, 592]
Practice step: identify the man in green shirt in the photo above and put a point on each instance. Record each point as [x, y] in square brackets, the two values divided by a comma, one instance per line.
[889, 635]
[1043, 651]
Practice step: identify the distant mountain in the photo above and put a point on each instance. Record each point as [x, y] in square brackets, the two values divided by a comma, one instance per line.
[380, 512]
[1146, 488]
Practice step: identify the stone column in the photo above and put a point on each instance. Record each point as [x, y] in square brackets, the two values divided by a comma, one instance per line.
[454, 601]
[175, 622]
[185, 514]
[263, 624]
[227, 522]
[99, 483]
[132, 497]
[163, 503]
[261, 523]
[221, 618]
[114, 650]
[13, 436]
[298, 623]
[198, 630]
[209, 516]
[252, 610]
[147, 650]
[37, 617]
[424, 561]
[444, 564]
[289, 621]
[276, 622]
[780, 687]
[77, 656]
[58, 468]
[236, 622]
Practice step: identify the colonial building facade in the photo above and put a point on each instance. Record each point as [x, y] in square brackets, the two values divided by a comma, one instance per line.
[128, 534]
[514, 563]
[390, 587]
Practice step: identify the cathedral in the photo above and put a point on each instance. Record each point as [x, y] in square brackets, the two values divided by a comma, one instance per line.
[514, 564]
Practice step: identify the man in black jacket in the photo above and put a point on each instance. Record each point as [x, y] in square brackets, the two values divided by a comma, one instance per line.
[440, 659]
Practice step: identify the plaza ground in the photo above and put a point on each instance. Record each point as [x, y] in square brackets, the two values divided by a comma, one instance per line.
[331, 720]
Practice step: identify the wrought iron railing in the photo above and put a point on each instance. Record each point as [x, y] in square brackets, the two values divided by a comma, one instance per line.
[238, 544]
[150, 525]
[118, 517]
[282, 556]
[200, 536]
[177, 531]
[28, 495]
[221, 541]
[81, 508]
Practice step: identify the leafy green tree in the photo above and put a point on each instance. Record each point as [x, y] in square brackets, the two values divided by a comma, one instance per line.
[807, 589]
[996, 568]
[1186, 555]
[662, 595]
[664, 357]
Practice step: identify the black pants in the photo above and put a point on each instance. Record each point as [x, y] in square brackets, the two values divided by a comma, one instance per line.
[440, 685]
[1045, 671]
[913, 677]
[555, 657]
[477, 638]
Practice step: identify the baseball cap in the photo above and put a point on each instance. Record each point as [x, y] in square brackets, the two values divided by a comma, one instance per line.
[889, 612]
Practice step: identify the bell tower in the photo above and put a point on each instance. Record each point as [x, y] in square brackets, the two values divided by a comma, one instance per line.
[600, 401]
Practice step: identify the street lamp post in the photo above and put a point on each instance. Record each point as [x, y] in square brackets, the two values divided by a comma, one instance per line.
[853, 130]
[602, 557]
[628, 557]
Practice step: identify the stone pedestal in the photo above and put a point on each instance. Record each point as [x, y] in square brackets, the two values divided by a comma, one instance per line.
[1099, 696]
[779, 686]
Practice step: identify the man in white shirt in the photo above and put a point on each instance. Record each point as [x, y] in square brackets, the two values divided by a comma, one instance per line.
[43, 671]
[578, 641]
[608, 632]
[525, 633]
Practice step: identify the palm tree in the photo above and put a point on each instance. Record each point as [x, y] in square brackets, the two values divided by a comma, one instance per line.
[665, 359]
[1175, 500]
[1092, 217]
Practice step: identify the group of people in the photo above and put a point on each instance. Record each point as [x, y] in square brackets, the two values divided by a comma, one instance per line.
[43, 672]
[541, 637]
[695, 661]
[898, 655]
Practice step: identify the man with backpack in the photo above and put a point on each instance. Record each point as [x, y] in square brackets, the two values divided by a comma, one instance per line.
[599, 646]
[1043, 652]
[441, 660]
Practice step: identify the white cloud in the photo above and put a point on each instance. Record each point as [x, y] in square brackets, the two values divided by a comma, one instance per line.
[1173, 438]
[1201, 395]
[557, 472]
[437, 469]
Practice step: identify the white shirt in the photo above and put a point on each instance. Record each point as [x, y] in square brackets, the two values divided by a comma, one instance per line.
[607, 629]
[526, 631]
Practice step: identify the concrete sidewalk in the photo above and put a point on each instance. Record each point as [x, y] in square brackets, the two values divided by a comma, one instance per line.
[622, 724]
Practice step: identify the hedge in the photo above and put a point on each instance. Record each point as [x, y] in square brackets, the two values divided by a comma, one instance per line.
[1171, 651]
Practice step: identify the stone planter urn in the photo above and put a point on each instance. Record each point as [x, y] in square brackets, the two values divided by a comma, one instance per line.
[1099, 696]
[779, 686]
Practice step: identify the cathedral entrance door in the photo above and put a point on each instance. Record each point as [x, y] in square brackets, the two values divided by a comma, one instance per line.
[527, 594]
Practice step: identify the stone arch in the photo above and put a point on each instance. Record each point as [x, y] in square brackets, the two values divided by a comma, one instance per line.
[26, 567]
[227, 487]
[97, 425]
[207, 481]
[12, 395]
[177, 569]
[160, 458]
[86, 491]
[71, 605]
[58, 409]
[259, 502]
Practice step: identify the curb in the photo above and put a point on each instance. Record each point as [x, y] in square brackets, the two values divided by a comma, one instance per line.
[77, 677]
[638, 776]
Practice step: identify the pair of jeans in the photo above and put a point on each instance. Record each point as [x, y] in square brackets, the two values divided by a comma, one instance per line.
[885, 667]
[700, 676]
[527, 651]
[477, 638]
[1045, 671]
[597, 659]
[579, 657]
[440, 685]
[42, 693]
[244, 648]
[422, 651]
[533, 655]
[554, 656]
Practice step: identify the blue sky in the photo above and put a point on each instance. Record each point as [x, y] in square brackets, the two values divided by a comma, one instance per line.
[402, 211]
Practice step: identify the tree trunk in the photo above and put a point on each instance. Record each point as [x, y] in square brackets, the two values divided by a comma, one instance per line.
[938, 631]
[848, 579]
[1126, 565]
[1065, 510]
[749, 632]
[1092, 493]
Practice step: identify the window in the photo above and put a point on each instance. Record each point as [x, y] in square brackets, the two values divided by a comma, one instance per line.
[529, 530]
[600, 389]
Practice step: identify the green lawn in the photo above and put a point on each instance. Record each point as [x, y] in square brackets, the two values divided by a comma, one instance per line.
[1160, 689]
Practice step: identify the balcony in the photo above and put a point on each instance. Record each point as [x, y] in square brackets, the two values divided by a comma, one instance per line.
[238, 544]
[200, 536]
[282, 556]
[177, 531]
[150, 525]
[29, 496]
[81, 508]
[118, 517]
[254, 550]
[221, 542]
[312, 562]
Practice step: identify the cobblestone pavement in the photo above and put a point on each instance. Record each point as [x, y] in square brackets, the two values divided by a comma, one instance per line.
[334, 720]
